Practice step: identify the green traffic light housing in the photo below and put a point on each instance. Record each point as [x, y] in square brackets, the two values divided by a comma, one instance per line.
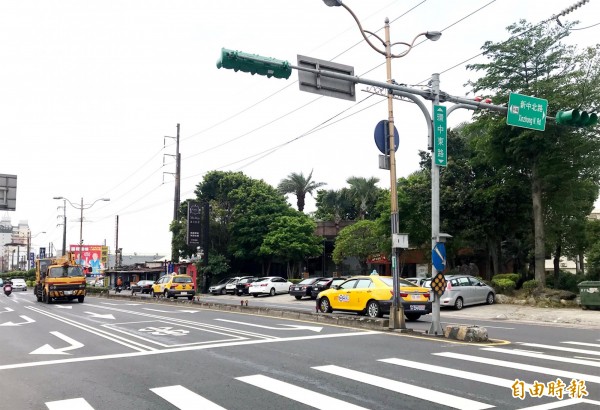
[254, 64]
[577, 118]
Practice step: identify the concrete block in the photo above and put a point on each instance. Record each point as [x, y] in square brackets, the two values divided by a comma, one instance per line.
[466, 333]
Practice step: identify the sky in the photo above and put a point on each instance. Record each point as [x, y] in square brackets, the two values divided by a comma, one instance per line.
[90, 90]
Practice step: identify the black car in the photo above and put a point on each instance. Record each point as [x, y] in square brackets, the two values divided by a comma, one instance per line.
[304, 288]
[142, 286]
[325, 283]
[243, 285]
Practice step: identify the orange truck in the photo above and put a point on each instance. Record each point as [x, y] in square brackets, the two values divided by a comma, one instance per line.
[59, 279]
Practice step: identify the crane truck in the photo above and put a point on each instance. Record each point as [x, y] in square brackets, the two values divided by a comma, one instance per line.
[59, 279]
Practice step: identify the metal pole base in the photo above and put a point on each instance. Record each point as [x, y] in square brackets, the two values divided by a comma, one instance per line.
[397, 319]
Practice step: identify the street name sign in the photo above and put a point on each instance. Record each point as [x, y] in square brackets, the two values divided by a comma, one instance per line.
[526, 112]
[439, 136]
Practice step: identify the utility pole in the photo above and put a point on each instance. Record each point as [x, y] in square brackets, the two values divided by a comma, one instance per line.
[177, 174]
[64, 225]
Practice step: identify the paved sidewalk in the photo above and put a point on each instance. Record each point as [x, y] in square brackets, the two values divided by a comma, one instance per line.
[576, 317]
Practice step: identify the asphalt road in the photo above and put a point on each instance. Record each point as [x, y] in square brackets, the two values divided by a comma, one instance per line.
[124, 354]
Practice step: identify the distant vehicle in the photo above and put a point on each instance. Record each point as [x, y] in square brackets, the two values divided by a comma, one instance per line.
[373, 295]
[243, 285]
[417, 281]
[142, 286]
[174, 286]
[221, 287]
[19, 284]
[269, 285]
[464, 290]
[59, 279]
[231, 287]
[325, 283]
[304, 288]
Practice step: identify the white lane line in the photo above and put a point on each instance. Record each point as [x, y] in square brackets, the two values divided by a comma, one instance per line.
[299, 394]
[562, 348]
[522, 367]
[587, 358]
[542, 356]
[70, 404]
[583, 344]
[407, 389]
[183, 349]
[185, 399]
[448, 371]
[562, 403]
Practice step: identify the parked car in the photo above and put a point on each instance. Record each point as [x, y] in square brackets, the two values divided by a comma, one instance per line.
[19, 284]
[142, 286]
[269, 285]
[373, 295]
[417, 281]
[243, 285]
[174, 286]
[219, 288]
[231, 286]
[325, 283]
[303, 288]
[464, 290]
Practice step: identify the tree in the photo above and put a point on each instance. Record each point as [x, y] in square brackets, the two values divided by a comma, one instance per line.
[335, 205]
[291, 239]
[360, 240]
[533, 61]
[300, 186]
[364, 193]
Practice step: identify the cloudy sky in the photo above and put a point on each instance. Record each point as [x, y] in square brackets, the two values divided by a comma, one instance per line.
[89, 90]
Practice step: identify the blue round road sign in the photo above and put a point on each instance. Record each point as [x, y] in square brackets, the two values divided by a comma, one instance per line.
[382, 137]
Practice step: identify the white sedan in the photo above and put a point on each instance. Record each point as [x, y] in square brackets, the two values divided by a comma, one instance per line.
[269, 285]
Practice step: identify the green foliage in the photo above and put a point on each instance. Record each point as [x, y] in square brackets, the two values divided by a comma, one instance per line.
[510, 276]
[504, 286]
[359, 240]
[26, 275]
[299, 185]
[566, 281]
[530, 285]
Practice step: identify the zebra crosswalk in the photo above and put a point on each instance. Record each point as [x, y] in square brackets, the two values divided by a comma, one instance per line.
[491, 375]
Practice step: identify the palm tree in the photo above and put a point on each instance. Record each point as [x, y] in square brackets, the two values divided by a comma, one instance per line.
[300, 186]
[364, 193]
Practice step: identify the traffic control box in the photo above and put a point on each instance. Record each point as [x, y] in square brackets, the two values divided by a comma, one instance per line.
[589, 294]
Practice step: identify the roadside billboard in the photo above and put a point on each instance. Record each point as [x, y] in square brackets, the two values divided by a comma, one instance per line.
[93, 257]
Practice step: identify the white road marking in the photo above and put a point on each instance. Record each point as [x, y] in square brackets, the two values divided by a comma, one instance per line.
[7, 309]
[562, 348]
[542, 356]
[586, 358]
[182, 349]
[47, 349]
[522, 367]
[70, 404]
[448, 371]
[583, 344]
[185, 399]
[98, 315]
[562, 403]
[27, 321]
[407, 389]
[62, 307]
[299, 394]
[290, 327]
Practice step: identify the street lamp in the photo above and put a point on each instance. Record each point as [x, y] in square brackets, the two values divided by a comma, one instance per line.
[81, 207]
[397, 312]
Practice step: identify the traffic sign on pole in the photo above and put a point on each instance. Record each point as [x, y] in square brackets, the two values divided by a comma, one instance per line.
[440, 135]
[527, 112]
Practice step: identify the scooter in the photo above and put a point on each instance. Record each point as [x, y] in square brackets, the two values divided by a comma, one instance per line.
[7, 289]
[118, 289]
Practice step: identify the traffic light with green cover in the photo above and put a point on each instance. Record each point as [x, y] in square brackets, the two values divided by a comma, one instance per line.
[577, 118]
[254, 64]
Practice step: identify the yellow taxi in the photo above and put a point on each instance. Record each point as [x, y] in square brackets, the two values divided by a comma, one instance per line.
[373, 295]
[174, 286]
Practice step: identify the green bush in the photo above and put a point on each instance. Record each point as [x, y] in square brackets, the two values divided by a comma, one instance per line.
[530, 285]
[504, 286]
[566, 281]
[510, 276]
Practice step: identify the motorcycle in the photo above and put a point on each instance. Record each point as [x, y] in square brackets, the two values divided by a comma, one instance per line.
[118, 289]
[7, 289]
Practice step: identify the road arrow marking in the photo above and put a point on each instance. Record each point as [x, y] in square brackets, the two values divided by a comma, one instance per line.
[108, 316]
[27, 320]
[47, 349]
[7, 310]
[290, 327]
